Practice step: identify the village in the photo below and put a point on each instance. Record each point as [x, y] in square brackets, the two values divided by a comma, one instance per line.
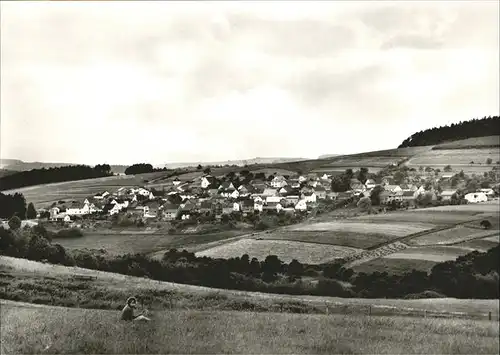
[246, 194]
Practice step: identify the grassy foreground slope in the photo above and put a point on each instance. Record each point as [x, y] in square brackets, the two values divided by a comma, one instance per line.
[31, 281]
[34, 329]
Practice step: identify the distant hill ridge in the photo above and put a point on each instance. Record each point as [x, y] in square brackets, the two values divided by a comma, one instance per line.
[487, 126]
[241, 162]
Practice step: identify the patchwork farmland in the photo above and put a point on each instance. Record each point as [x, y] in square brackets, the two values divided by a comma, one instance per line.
[310, 253]
[393, 242]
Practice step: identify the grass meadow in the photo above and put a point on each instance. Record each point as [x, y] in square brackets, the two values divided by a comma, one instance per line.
[451, 236]
[34, 282]
[128, 242]
[286, 250]
[44, 195]
[346, 239]
[393, 229]
[36, 330]
[432, 253]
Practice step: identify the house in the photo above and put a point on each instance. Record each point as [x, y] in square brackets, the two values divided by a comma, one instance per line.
[446, 195]
[302, 179]
[176, 182]
[187, 209]
[273, 199]
[245, 190]
[301, 205]
[393, 188]
[292, 199]
[226, 186]
[325, 177]
[247, 206]
[490, 193]
[258, 199]
[309, 197]
[389, 196]
[273, 206]
[101, 195]
[294, 183]
[278, 182]
[207, 181]
[357, 185]
[408, 195]
[54, 211]
[227, 208]
[332, 195]
[476, 197]
[206, 206]
[63, 217]
[320, 192]
[388, 180]
[370, 184]
[270, 192]
[344, 195]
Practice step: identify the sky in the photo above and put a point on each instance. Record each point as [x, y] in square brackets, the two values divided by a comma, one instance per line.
[157, 82]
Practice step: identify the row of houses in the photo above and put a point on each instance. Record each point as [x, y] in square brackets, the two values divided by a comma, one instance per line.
[209, 195]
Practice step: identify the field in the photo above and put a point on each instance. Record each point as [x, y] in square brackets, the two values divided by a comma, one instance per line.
[116, 242]
[346, 239]
[476, 142]
[483, 244]
[34, 329]
[490, 207]
[451, 236]
[432, 253]
[310, 253]
[44, 195]
[421, 216]
[393, 229]
[457, 158]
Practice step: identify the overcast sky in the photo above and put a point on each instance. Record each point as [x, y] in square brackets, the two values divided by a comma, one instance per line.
[126, 82]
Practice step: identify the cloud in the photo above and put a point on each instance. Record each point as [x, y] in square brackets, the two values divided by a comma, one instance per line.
[175, 81]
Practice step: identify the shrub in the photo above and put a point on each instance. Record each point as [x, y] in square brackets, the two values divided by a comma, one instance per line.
[69, 233]
[15, 223]
[424, 294]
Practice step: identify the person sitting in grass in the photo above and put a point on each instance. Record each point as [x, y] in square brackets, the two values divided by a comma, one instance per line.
[128, 311]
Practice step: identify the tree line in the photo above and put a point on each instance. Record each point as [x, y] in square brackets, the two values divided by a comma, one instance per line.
[142, 168]
[15, 205]
[487, 126]
[50, 175]
[474, 275]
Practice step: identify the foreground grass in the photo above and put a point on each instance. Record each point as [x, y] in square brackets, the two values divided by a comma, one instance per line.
[34, 282]
[27, 329]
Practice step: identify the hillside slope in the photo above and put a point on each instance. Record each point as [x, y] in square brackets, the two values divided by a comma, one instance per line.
[486, 126]
[34, 329]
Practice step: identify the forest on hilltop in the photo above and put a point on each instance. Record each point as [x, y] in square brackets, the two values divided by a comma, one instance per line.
[487, 126]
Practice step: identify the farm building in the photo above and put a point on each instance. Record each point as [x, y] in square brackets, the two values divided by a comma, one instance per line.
[278, 182]
[446, 195]
[475, 197]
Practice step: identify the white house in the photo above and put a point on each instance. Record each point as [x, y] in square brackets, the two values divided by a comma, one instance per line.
[488, 192]
[270, 192]
[325, 177]
[393, 188]
[301, 205]
[475, 197]
[258, 199]
[176, 182]
[370, 184]
[278, 182]
[258, 205]
[273, 199]
[236, 207]
[309, 197]
[206, 181]
[302, 179]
